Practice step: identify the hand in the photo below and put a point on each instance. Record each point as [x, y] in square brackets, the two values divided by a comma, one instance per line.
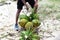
[27, 7]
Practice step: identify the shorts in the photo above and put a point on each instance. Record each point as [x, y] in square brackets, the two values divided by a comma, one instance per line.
[20, 3]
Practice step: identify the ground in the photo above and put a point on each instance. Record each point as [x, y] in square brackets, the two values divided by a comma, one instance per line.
[49, 16]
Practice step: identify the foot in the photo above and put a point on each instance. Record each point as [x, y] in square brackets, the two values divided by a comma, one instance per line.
[16, 27]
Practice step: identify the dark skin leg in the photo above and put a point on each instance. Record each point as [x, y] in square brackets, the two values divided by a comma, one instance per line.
[35, 8]
[17, 15]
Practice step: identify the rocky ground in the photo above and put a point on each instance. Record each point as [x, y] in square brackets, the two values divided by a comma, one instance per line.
[49, 16]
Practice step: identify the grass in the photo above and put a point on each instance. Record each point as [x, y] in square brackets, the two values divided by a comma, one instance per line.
[55, 1]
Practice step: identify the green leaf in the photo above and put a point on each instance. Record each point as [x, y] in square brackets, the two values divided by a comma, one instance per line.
[34, 39]
[28, 35]
[21, 38]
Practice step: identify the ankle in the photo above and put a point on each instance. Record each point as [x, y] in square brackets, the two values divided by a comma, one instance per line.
[16, 24]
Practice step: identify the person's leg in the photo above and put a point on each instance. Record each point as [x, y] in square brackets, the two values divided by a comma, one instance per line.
[17, 16]
[19, 7]
[35, 10]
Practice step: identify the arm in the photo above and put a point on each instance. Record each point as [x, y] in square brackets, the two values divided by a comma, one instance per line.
[24, 2]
